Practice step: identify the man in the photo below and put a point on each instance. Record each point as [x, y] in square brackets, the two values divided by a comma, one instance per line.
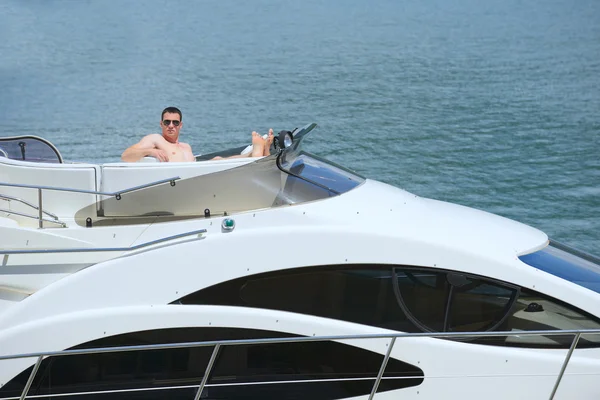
[168, 147]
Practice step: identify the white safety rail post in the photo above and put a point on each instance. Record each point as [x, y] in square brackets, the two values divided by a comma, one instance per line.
[213, 357]
[40, 209]
[31, 377]
[382, 368]
[565, 363]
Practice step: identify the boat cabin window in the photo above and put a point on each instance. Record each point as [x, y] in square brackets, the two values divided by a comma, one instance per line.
[450, 302]
[567, 263]
[312, 370]
[407, 299]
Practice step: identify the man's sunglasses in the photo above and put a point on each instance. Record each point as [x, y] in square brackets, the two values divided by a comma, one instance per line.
[167, 122]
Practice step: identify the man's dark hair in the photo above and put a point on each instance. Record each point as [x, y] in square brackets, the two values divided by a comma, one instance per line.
[171, 110]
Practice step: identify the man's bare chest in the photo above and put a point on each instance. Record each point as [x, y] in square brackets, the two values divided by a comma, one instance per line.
[175, 151]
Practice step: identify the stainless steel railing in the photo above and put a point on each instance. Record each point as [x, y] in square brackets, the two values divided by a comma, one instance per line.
[53, 221]
[116, 194]
[104, 249]
[11, 198]
[218, 345]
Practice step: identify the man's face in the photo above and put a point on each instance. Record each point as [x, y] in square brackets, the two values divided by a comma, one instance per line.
[171, 124]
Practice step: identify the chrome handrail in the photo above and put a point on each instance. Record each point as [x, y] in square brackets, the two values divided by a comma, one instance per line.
[103, 249]
[577, 333]
[9, 198]
[54, 221]
[236, 342]
[117, 194]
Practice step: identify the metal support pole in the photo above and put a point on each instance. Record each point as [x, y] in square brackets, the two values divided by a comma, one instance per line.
[31, 376]
[382, 369]
[40, 212]
[213, 357]
[564, 366]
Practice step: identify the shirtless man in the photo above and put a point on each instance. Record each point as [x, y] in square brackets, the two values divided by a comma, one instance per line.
[167, 147]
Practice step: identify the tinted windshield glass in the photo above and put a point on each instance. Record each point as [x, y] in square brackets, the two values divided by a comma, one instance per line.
[29, 148]
[566, 263]
[320, 172]
[257, 185]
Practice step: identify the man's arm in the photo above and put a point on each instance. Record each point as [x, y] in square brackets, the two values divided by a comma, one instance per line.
[145, 147]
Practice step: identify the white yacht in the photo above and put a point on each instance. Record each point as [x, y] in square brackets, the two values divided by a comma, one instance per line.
[288, 245]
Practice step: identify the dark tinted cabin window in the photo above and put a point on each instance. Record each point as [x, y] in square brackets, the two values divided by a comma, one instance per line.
[362, 296]
[451, 302]
[406, 299]
[352, 369]
[478, 307]
[424, 296]
[533, 311]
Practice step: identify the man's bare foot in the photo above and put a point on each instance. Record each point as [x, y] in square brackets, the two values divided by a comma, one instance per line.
[258, 145]
[268, 142]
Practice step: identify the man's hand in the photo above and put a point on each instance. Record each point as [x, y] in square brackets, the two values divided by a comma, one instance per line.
[159, 154]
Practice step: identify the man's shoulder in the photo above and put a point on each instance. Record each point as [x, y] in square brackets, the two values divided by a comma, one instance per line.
[153, 138]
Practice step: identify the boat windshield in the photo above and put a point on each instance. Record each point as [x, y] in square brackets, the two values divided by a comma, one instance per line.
[290, 178]
[322, 173]
[567, 263]
[29, 148]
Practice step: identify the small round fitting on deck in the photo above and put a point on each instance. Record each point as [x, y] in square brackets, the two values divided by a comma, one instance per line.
[228, 225]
